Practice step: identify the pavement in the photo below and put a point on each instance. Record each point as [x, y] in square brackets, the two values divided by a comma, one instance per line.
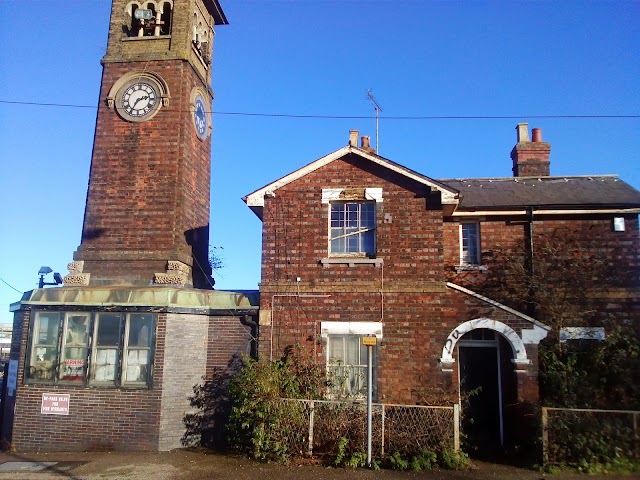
[200, 464]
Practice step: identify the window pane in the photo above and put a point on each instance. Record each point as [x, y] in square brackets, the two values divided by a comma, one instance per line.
[137, 366]
[107, 345]
[470, 243]
[44, 348]
[347, 365]
[74, 350]
[140, 328]
[352, 347]
[353, 227]
[108, 329]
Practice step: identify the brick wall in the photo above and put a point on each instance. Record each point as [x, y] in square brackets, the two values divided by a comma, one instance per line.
[229, 336]
[408, 293]
[99, 418]
[616, 298]
[149, 185]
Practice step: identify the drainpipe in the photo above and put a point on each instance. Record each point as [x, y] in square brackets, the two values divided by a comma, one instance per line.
[530, 260]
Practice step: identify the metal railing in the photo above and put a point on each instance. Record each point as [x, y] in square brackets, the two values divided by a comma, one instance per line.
[572, 435]
[317, 426]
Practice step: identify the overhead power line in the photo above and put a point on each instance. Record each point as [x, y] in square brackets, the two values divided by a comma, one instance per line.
[10, 286]
[350, 117]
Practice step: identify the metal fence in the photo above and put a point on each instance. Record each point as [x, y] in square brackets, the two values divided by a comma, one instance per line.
[572, 435]
[317, 426]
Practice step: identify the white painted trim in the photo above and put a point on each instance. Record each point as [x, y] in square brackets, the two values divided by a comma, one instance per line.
[256, 199]
[498, 305]
[533, 336]
[517, 346]
[502, 213]
[351, 328]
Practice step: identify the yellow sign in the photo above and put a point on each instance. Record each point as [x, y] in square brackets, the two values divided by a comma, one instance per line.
[369, 341]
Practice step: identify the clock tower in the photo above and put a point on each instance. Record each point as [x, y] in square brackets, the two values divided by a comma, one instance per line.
[146, 220]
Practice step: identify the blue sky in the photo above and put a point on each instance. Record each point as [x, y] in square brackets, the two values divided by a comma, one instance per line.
[420, 58]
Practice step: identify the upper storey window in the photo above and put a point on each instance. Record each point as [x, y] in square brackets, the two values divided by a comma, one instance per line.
[353, 228]
[149, 19]
[470, 243]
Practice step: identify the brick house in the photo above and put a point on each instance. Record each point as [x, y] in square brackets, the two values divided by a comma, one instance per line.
[357, 245]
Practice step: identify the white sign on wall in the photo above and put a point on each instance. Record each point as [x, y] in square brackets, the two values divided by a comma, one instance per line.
[12, 377]
[55, 404]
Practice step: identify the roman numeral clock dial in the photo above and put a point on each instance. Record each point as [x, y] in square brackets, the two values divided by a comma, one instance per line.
[137, 97]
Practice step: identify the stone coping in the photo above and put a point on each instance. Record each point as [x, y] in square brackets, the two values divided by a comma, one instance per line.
[152, 296]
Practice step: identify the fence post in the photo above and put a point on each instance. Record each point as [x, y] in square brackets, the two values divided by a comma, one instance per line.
[545, 436]
[456, 427]
[382, 431]
[312, 411]
[636, 435]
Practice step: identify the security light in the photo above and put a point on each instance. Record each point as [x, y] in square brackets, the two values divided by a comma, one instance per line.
[45, 271]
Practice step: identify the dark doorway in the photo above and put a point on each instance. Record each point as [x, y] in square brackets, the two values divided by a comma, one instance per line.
[481, 393]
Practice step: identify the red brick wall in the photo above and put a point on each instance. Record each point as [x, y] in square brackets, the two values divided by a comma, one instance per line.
[99, 418]
[619, 297]
[228, 337]
[408, 294]
[149, 184]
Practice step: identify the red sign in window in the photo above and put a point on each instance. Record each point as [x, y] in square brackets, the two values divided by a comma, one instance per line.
[55, 404]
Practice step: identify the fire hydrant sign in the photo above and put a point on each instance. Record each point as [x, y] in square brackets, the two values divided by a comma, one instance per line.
[55, 404]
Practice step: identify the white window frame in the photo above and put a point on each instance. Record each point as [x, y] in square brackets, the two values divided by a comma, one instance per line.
[352, 329]
[464, 254]
[360, 232]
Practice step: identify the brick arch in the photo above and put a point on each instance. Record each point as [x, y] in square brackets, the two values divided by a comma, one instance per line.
[517, 346]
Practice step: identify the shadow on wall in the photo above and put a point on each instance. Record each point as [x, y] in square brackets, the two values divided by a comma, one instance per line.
[198, 240]
[211, 399]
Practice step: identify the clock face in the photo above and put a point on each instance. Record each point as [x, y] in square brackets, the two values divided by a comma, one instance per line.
[139, 100]
[200, 117]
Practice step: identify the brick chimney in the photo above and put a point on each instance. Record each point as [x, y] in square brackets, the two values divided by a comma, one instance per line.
[365, 144]
[353, 138]
[530, 157]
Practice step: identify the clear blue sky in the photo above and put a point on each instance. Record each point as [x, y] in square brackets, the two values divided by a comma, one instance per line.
[304, 57]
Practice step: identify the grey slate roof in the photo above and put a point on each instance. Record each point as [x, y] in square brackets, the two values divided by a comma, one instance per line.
[600, 191]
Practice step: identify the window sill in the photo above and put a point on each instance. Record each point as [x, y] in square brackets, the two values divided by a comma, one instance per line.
[470, 268]
[351, 261]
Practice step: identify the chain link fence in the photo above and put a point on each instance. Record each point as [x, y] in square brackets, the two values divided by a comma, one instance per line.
[317, 427]
[573, 435]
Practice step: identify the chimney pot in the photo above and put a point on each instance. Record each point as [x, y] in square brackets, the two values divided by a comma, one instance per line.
[536, 135]
[353, 138]
[365, 142]
[522, 130]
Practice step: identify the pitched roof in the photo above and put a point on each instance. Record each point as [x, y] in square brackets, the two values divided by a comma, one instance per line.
[255, 200]
[571, 192]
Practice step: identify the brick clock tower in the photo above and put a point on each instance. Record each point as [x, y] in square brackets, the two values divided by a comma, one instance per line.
[109, 360]
[147, 214]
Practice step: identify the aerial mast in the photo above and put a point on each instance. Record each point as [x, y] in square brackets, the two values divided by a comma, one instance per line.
[378, 109]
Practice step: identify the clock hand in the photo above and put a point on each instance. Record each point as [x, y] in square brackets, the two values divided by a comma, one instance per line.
[145, 97]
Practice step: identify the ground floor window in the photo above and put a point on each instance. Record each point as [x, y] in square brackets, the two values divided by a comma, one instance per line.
[347, 364]
[109, 349]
